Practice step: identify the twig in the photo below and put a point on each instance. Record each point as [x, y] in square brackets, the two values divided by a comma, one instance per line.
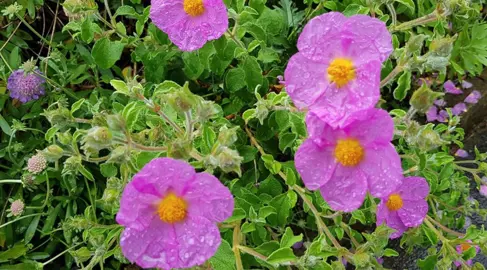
[236, 245]
[444, 228]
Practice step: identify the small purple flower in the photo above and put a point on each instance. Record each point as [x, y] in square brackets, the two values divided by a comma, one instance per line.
[298, 245]
[466, 85]
[25, 87]
[406, 207]
[432, 114]
[473, 97]
[464, 247]
[170, 214]
[483, 190]
[451, 88]
[440, 102]
[461, 153]
[459, 108]
[190, 23]
[380, 260]
[442, 116]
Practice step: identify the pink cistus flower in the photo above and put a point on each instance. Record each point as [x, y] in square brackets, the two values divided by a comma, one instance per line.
[170, 213]
[450, 88]
[432, 114]
[337, 69]
[25, 87]
[405, 207]
[473, 97]
[347, 162]
[190, 23]
[464, 247]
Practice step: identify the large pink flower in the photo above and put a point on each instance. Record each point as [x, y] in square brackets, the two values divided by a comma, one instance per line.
[405, 207]
[345, 163]
[337, 69]
[190, 23]
[169, 212]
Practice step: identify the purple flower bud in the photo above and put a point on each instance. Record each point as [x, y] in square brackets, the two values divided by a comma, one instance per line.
[298, 245]
[461, 153]
[483, 190]
[281, 79]
[25, 87]
[380, 260]
[432, 114]
[17, 207]
[473, 97]
[459, 108]
[451, 88]
[442, 116]
[440, 102]
[466, 85]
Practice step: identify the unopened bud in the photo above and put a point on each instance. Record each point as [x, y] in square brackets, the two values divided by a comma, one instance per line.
[227, 136]
[98, 138]
[229, 160]
[60, 116]
[443, 46]
[206, 110]
[65, 138]
[182, 100]
[116, 122]
[180, 149]
[53, 152]
[423, 98]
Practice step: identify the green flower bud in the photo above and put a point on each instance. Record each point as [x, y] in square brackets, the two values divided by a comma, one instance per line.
[415, 44]
[182, 100]
[443, 46]
[227, 136]
[261, 111]
[60, 116]
[53, 153]
[65, 138]
[98, 138]
[119, 155]
[71, 165]
[78, 9]
[116, 122]
[423, 98]
[180, 149]
[81, 255]
[206, 110]
[229, 160]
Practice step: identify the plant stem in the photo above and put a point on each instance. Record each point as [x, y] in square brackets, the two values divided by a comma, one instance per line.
[32, 29]
[189, 124]
[252, 252]
[433, 16]
[5, 61]
[107, 8]
[10, 36]
[60, 254]
[149, 148]
[398, 69]
[392, 10]
[83, 121]
[55, 84]
[13, 181]
[20, 218]
[52, 36]
[239, 42]
[236, 244]
[157, 109]
[444, 228]
[349, 233]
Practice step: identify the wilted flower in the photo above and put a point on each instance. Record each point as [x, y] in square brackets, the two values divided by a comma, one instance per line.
[17, 207]
[466, 85]
[170, 213]
[346, 163]
[337, 69]
[190, 23]
[405, 207]
[483, 190]
[440, 102]
[473, 97]
[442, 116]
[450, 88]
[36, 164]
[464, 247]
[459, 108]
[461, 153]
[432, 114]
[25, 87]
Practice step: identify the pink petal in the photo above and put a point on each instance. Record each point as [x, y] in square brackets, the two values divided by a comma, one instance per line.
[136, 208]
[315, 164]
[305, 79]
[461, 153]
[414, 188]
[391, 219]
[459, 108]
[167, 15]
[440, 102]
[483, 190]
[208, 197]
[413, 213]
[383, 170]
[321, 133]
[371, 126]
[432, 114]
[466, 85]
[473, 97]
[442, 116]
[346, 190]
[450, 88]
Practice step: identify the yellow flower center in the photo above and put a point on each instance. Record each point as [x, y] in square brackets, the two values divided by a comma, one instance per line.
[172, 209]
[341, 71]
[349, 152]
[395, 202]
[465, 247]
[194, 7]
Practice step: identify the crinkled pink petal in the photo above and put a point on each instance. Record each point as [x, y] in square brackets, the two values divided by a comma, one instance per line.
[483, 190]
[391, 219]
[305, 80]
[413, 213]
[315, 164]
[136, 208]
[414, 188]
[442, 116]
[440, 102]
[459, 108]
[367, 36]
[167, 15]
[432, 114]
[371, 126]
[461, 153]
[336, 104]
[321, 133]
[209, 198]
[473, 97]
[450, 88]
[346, 190]
[321, 32]
[382, 168]
[466, 85]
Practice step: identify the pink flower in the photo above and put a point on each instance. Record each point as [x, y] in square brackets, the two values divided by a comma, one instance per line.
[347, 162]
[17, 207]
[405, 207]
[473, 97]
[442, 116]
[440, 102]
[459, 108]
[169, 212]
[190, 23]
[464, 247]
[36, 164]
[432, 114]
[451, 88]
[337, 69]
[483, 190]
[466, 85]
[461, 153]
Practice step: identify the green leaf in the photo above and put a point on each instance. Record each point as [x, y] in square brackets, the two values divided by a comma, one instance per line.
[77, 105]
[126, 10]
[247, 152]
[282, 255]
[50, 132]
[429, 263]
[354, 9]
[17, 251]
[249, 114]
[86, 173]
[120, 87]
[51, 218]
[268, 55]
[224, 258]
[238, 214]
[390, 253]
[403, 85]
[286, 140]
[106, 52]
[360, 216]
[235, 80]
[4, 126]
[408, 3]
[253, 73]
[339, 232]
[108, 169]
[431, 235]
[31, 230]
[209, 138]
[87, 31]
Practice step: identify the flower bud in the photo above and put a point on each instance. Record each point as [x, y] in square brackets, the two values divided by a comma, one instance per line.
[119, 155]
[180, 149]
[443, 46]
[17, 208]
[229, 160]
[53, 152]
[182, 100]
[227, 136]
[36, 164]
[28, 181]
[423, 98]
[65, 138]
[98, 138]
[60, 116]
[78, 9]
[116, 122]
[71, 165]
[206, 110]
[415, 43]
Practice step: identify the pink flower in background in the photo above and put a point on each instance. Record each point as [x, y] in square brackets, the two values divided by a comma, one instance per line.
[461, 153]
[473, 97]
[405, 207]
[440, 102]
[459, 108]
[190, 23]
[170, 213]
[464, 247]
[442, 116]
[451, 88]
[337, 69]
[466, 85]
[432, 114]
[483, 190]
[345, 163]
